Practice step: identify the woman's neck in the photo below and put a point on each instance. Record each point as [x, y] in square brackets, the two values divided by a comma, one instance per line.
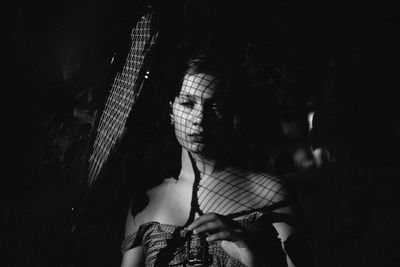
[204, 165]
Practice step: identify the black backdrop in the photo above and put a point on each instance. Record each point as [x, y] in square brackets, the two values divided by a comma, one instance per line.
[54, 49]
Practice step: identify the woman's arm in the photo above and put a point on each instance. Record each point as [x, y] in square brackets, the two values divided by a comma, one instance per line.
[133, 257]
[284, 231]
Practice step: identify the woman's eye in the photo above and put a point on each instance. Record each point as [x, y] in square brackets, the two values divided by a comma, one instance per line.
[187, 104]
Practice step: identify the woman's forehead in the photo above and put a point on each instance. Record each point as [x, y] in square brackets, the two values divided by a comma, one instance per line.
[198, 85]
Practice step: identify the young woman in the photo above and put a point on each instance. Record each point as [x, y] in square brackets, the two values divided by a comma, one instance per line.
[212, 213]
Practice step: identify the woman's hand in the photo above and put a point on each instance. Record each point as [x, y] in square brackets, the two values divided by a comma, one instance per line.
[235, 241]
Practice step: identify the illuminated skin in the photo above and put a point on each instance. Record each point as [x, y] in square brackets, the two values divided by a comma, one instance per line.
[198, 116]
[195, 111]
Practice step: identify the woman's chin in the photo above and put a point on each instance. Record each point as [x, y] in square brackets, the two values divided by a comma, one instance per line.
[210, 151]
[196, 148]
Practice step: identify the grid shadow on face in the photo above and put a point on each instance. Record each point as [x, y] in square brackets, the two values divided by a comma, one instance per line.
[196, 112]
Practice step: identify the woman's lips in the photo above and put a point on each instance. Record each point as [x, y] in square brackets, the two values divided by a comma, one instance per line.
[197, 137]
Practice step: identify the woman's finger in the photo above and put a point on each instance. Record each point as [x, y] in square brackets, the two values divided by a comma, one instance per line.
[209, 227]
[203, 220]
[223, 235]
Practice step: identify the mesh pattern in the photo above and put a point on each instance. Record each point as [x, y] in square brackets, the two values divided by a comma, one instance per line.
[195, 111]
[123, 95]
[234, 191]
[164, 243]
[197, 115]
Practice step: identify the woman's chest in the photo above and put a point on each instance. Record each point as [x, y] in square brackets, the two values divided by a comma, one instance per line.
[169, 203]
[226, 195]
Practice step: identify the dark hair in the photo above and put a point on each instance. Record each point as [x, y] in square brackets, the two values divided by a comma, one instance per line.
[230, 75]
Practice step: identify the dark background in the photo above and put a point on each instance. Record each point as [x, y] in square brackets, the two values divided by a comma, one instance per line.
[342, 56]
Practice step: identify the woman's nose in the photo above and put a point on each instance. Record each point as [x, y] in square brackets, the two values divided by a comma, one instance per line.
[198, 115]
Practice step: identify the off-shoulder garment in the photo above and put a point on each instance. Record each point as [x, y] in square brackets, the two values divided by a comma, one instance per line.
[171, 245]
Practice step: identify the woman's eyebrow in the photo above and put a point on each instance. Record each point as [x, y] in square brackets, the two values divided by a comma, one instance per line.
[188, 96]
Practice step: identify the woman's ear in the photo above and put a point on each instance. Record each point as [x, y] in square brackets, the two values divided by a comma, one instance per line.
[170, 109]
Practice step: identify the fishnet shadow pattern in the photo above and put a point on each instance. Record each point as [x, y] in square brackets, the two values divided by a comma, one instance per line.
[196, 114]
[236, 191]
[194, 109]
[123, 95]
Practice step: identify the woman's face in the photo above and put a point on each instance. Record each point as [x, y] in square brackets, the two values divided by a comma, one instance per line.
[197, 112]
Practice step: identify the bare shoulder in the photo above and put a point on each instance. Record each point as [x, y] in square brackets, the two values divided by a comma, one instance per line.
[166, 203]
[266, 189]
[139, 216]
[132, 224]
[269, 185]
